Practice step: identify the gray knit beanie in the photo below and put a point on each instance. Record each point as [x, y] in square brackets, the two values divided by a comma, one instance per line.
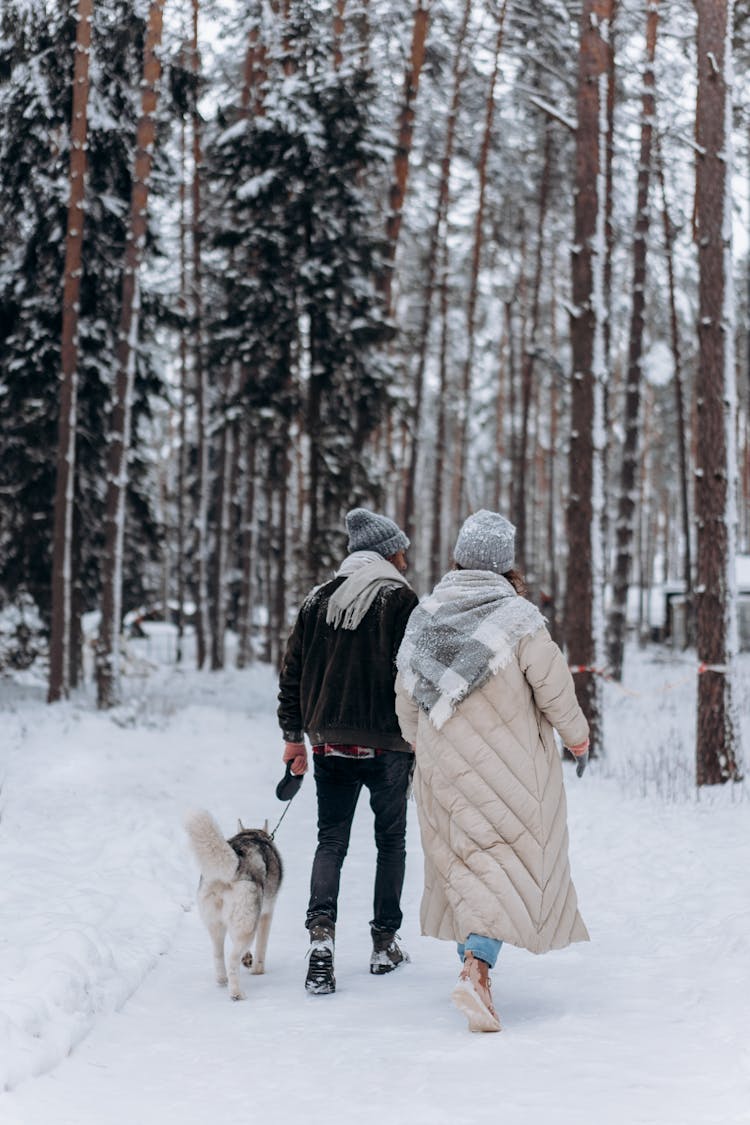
[486, 541]
[370, 532]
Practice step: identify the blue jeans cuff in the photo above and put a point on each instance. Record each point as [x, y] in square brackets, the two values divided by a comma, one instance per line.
[485, 948]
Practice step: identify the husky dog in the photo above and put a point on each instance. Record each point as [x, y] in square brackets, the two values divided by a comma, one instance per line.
[240, 879]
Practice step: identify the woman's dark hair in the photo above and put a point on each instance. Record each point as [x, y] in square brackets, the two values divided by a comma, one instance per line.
[517, 581]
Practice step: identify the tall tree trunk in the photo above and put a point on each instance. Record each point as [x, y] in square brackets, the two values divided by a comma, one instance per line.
[511, 430]
[552, 608]
[221, 534]
[441, 211]
[609, 238]
[530, 348]
[182, 456]
[107, 656]
[679, 402]
[289, 63]
[646, 510]
[202, 620]
[628, 469]
[437, 564]
[404, 135]
[500, 438]
[583, 605]
[339, 27]
[76, 608]
[247, 545]
[361, 20]
[459, 465]
[718, 737]
[252, 101]
[62, 535]
[277, 547]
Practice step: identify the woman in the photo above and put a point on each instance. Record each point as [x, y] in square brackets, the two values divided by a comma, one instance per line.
[480, 685]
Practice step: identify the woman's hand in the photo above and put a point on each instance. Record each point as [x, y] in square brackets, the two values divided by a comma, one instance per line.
[581, 755]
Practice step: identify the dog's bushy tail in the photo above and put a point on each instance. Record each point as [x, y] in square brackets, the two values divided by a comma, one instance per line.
[215, 857]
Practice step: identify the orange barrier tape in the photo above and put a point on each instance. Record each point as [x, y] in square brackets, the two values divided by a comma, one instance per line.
[700, 668]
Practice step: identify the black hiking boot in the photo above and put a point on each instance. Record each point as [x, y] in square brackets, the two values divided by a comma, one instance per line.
[320, 979]
[387, 954]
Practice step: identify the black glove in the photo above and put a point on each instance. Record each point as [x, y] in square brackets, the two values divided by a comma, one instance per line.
[582, 760]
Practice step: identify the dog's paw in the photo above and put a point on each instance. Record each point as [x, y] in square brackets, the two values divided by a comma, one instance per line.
[247, 960]
[258, 969]
[222, 981]
[238, 995]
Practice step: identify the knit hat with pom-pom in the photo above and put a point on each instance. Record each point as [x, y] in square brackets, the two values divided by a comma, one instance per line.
[486, 541]
[370, 532]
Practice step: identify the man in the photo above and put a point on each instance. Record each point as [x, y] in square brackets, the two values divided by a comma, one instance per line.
[337, 686]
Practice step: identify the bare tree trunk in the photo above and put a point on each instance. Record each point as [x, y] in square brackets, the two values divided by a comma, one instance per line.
[679, 404]
[459, 466]
[628, 470]
[255, 72]
[182, 458]
[221, 547]
[62, 535]
[531, 345]
[247, 546]
[718, 737]
[76, 608]
[645, 516]
[289, 63]
[583, 516]
[437, 564]
[552, 606]
[339, 27]
[361, 19]
[511, 431]
[202, 621]
[500, 437]
[277, 530]
[404, 136]
[553, 585]
[441, 211]
[609, 237]
[107, 656]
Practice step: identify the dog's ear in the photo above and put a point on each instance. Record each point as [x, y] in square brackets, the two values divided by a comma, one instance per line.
[240, 825]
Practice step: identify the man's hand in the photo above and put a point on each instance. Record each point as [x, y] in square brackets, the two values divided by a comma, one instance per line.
[581, 755]
[296, 753]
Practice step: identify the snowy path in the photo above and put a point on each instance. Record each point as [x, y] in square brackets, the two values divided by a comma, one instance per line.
[647, 1025]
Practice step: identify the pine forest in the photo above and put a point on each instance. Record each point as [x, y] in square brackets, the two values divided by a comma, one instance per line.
[262, 261]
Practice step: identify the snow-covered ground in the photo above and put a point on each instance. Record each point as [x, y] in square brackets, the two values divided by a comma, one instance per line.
[109, 1014]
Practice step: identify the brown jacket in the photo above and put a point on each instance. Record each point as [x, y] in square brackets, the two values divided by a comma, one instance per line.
[337, 685]
[491, 802]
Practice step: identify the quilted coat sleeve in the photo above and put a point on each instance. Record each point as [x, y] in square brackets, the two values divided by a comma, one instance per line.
[547, 672]
[407, 711]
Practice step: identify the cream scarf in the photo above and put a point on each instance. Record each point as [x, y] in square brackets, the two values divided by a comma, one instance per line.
[366, 572]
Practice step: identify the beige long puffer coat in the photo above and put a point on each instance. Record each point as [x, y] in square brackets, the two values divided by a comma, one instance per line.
[491, 803]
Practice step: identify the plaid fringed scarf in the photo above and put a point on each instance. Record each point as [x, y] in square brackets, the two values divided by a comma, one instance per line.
[459, 636]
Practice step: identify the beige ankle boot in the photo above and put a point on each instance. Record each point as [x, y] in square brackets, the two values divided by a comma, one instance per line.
[473, 997]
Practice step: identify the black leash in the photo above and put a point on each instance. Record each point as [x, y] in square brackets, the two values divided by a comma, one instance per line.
[286, 810]
[287, 790]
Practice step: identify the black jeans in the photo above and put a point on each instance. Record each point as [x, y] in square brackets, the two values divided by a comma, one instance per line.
[338, 782]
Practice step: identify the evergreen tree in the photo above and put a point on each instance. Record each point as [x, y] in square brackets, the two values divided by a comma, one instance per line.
[36, 67]
[299, 252]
